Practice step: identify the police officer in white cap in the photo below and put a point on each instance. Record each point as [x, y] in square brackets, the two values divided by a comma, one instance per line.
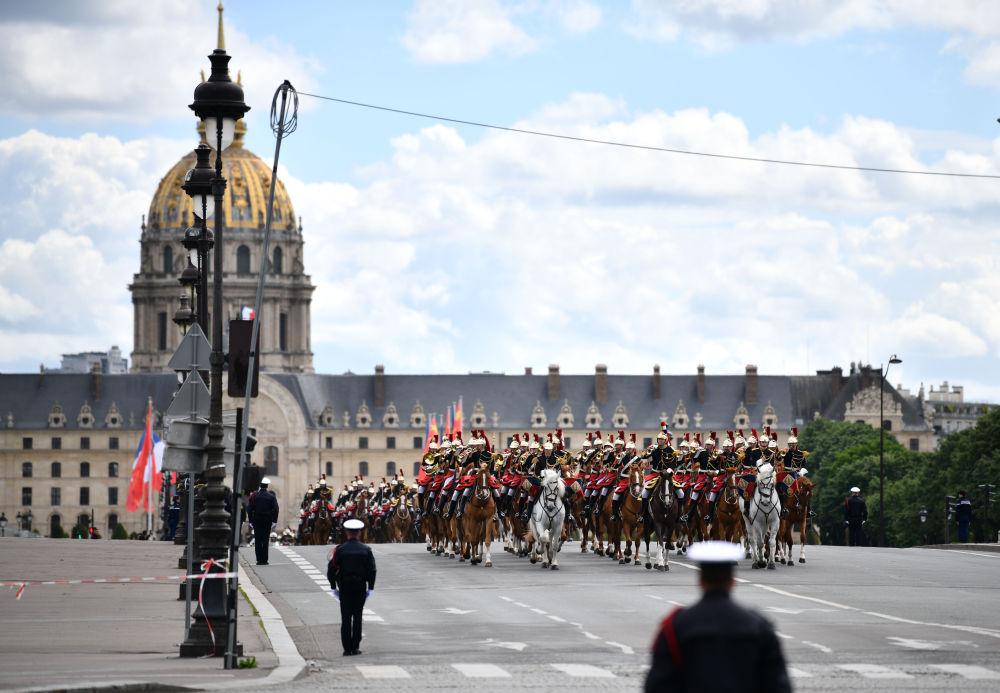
[687, 648]
[855, 515]
[351, 573]
[262, 509]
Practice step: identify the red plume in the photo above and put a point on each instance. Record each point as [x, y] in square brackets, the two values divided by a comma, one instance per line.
[795, 431]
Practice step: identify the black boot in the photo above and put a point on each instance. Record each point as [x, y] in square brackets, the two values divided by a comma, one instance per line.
[526, 509]
[461, 507]
[616, 510]
[645, 509]
[687, 511]
[451, 509]
[710, 514]
[502, 506]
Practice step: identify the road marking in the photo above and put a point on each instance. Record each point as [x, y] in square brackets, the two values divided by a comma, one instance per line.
[584, 670]
[456, 611]
[968, 671]
[539, 611]
[653, 596]
[520, 604]
[382, 671]
[913, 644]
[624, 648]
[556, 618]
[875, 671]
[591, 636]
[802, 596]
[507, 645]
[798, 673]
[506, 599]
[821, 648]
[782, 635]
[481, 671]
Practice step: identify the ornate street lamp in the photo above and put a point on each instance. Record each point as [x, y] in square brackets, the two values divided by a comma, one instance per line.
[923, 523]
[218, 102]
[198, 185]
[883, 372]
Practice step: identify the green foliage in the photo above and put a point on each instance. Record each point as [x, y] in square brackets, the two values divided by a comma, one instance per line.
[845, 454]
[247, 663]
[119, 532]
[58, 532]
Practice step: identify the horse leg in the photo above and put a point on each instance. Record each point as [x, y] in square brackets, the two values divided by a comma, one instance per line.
[771, 548]
[802, 538]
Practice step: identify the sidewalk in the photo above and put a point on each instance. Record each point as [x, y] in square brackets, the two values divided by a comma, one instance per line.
[120, 636]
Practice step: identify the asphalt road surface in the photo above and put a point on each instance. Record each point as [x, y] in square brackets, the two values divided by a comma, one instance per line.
[858, 619]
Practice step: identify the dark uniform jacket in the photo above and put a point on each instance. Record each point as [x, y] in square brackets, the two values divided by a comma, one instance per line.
[707, 630]
[855, 509]
[352, 566]
[262, 507]
[963, 510]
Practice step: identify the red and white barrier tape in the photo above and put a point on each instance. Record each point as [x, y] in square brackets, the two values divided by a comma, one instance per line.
[21, 584]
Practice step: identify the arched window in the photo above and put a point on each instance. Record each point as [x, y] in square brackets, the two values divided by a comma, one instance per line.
[55, 523]
[26, 470]
[168, 260]
[271, 460]
[112, 469]
[56, 470]
[390, 468]
[84, 469]
[363, 468]
[243, 260]
[276, 265]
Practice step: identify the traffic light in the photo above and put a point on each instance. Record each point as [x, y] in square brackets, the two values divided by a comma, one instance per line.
[951, 505]
[990, 490]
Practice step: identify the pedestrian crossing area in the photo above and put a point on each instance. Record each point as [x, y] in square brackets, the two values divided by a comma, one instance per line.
[802, 673]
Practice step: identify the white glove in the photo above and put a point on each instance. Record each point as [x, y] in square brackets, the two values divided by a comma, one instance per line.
[368, 594]
[336, 593]
[803, 471]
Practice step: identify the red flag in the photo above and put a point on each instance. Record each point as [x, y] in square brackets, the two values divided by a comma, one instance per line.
[458, 417]
[449, 431]
[432, 431]
[142, 467]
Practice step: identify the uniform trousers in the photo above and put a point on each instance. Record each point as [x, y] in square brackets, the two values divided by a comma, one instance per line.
[261, 539]
[963, 532]
[855, 533]
[352, 603]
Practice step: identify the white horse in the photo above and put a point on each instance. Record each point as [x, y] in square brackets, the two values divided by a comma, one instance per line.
[763, 518]
[547, 518]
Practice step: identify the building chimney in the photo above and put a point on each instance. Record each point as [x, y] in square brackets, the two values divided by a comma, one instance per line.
[601, 384]
[379, 386]
[836, 375]
[750, 392]
[656, 381]
[701, 384]
[527, 370]
[553, 382]
[95, 382]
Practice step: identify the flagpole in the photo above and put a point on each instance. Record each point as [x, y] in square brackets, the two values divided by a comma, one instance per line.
[150, 461]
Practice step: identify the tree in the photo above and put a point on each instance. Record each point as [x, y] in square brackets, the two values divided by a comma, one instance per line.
[119, 532]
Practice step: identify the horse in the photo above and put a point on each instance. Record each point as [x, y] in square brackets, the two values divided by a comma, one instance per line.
[631, 512]
[477, 522]
[765, 508]
[664, 509]
[402, 519]
[728, 525]
[797, 505]
[321, 528]
[547, 518]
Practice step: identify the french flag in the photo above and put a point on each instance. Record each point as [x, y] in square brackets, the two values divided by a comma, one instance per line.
[246, 313]
[148, 458]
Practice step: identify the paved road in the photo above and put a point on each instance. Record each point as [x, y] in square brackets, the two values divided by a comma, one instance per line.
[868, 619]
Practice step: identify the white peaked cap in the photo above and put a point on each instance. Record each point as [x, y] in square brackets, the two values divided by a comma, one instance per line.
[265, 481]
[855, 489]
[354, 524]
[715, 552]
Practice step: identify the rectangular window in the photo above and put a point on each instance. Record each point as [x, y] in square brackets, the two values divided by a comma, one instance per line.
[85, 443]
[113, 443]
[283, 332]
[567, 444]
[26, 495]
[418, 443]
[915, 444]
[161, 321]
[363, 442]
[646, 442]
[56, 443]
[26, 470]
[84, 469]
[84, 495]
[113, 495]
[329, 468]
[329, 442]
[25, 443]
[390, 442]
[55, 496]
[887, 425]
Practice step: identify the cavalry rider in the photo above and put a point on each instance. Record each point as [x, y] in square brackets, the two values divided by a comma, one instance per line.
[660, 460]
[794, 462]
[507, 477]
[713, 466]
[607, 473]
[589, 468]
[323, 493]
[480, 455]
[701, 465]
[539, 456]
[429, 467]
[623, 458]
[449, 470]
[307, 499]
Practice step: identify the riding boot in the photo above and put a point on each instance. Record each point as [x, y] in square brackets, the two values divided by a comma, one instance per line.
[526, 510]
[710, 513]
[451, 509]
[616, 510]
[746, 509]
[645, 509]
[781, 497]
[502, 506]
[461, 507]
[684, 515]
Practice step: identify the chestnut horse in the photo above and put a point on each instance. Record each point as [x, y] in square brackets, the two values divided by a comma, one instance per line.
[631, 511]
[321, 528]
[664, 509]
[797, 505]
[728, 525]
[477, 522]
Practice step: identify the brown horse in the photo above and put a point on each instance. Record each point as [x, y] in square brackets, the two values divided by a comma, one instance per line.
[728, 525]
[631, 512]
[321, 528]
[797, 505]
[664, 509]
[402, 519]
[477, 522]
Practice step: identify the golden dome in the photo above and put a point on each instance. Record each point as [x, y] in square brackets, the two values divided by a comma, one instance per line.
[248, 183]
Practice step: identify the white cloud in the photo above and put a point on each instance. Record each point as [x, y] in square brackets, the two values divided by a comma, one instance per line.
[52, 66]
[458, 31]
[577, 16]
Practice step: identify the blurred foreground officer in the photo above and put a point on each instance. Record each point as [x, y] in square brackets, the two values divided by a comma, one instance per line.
[262, 508]
[351, 573]
[686, 650]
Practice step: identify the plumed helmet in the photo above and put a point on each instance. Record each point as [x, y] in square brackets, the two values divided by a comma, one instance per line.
[547, 445]
[586, 443]
[514, 445]
[432, 445]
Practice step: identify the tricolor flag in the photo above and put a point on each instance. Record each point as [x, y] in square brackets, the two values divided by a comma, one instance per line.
[432, 431]
[246, 313]
[148, 458]
[457, 428]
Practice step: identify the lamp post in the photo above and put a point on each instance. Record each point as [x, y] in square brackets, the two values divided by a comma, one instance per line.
[3, 524]
[883, 372]
[923, 523]
[219, 103]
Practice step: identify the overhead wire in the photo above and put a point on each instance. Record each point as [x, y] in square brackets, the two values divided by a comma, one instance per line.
[669, 150]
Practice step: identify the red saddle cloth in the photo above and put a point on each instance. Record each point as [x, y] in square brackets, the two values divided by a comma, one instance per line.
[699, 483]
[650, 476]
[682, 478]
[467, 481]
[437, 483]
[720, 481]
[622, 485]
[423, 478]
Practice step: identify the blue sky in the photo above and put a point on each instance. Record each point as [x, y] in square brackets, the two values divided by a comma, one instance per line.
[438, 247]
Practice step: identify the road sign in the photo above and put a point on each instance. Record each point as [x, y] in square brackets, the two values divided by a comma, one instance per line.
[192, 400]
[193, 352]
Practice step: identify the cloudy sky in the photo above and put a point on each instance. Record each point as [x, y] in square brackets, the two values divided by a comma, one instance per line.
[440, 247]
